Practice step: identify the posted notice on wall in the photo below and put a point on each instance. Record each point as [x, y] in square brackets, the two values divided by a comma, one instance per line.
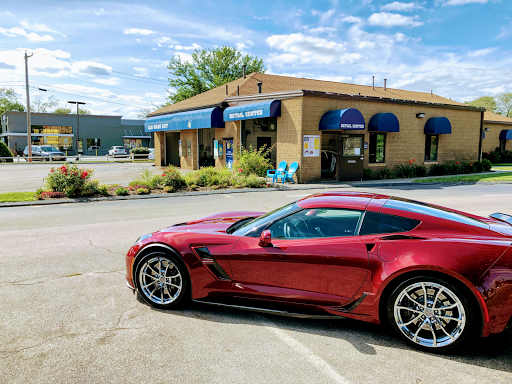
[311, 147]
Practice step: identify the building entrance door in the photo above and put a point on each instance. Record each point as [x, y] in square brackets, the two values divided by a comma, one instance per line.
[350, 157]
[172, 155]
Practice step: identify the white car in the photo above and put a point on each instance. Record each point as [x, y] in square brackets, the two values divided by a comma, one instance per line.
[117, 151]
[151, 155]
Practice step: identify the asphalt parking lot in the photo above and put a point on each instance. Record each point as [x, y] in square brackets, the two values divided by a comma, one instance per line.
[67, 317]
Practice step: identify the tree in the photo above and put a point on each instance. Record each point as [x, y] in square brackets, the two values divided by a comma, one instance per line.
[144, 112]
[9, 101]
[209, 68]
[504, 104]
[42, 104]
[487, 102]
[67, 111]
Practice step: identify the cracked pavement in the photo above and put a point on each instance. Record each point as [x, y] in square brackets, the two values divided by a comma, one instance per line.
[67, 316]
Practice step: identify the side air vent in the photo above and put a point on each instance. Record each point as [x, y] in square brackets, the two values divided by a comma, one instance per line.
[203, 253]
[210, 263]
[218, 271]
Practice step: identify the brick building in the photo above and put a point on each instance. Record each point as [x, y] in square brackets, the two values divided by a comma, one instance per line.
[332, 130]
[497, 132]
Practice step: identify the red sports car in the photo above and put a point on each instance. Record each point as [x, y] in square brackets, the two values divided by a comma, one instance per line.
[437, 276]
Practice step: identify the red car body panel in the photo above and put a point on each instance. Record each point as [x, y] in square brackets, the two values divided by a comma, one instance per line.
[330, 274]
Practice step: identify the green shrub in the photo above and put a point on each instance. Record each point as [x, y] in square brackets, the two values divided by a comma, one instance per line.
[68, 177]
[142, 191]
[251, 181]
[421, 170]
[121, 191]
[171, 177]
[140, 151]
[5, 152]
[486, 165]
[384, 173]
[90, 189]
[149, 179]
[253, 161]
[493, 156]
[367, 174]
[477, 167]
[103, 189]
[168, 189]
[438, 170]
[405, 171]
[137, 184]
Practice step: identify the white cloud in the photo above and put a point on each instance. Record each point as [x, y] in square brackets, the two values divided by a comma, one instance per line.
[190, 48]
[137, 31]
[32, 36]
[459, 2]
[327, 30]
[400, 7]
[351, 19]
[390, 20]
[164, 40]
[111, 81]
[36, 27]
[324, 16]
[297, 47]
[260, 18]
[143, 72]
[154, 95]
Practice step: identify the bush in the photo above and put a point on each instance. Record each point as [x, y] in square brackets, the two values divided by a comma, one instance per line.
[384, 173]
[68, 179]
[121, 191]
[367, 174]
[253, 161]
[150, 180]
[405, 171]
[493, 156]
[251, 181]
[171, 177]
[438, 170]
[103, 189]
[477, 167]
[142, 191]
[90, 189]
[140, 151]
[5, 152]
[52, 194]
[168, 189]
[486, 165]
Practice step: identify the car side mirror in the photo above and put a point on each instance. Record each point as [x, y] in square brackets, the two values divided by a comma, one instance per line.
[266, 239]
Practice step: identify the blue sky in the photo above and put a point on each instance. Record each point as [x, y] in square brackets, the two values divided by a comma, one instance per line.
[113, 55]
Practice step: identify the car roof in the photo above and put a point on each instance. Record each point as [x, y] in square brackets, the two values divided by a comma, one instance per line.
[350, 200]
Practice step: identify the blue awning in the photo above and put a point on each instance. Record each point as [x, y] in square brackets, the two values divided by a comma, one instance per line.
[349, 118]
[384, 122]
[438, 125]
[271, 108]
[483, 135]
[506, 134]
[200, 118]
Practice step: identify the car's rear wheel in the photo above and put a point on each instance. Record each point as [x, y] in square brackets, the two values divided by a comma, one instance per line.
[430, 313]
[161, 280]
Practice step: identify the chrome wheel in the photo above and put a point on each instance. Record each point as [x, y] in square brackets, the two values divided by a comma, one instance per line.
[160, 280]
[430, 314]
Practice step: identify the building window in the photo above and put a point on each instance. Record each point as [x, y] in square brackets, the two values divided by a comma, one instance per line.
[377, 147]
[431, 147]
[503, 145]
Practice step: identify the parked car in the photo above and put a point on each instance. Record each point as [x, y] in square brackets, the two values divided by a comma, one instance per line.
[151, 155]
[93, 148]
[45, 151]
[437, 276]
[117, 151]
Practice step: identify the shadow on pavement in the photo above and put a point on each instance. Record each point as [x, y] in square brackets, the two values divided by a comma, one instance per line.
[494, 352]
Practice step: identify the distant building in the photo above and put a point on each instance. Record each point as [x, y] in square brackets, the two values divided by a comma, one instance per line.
[94, 132]
[497, 132]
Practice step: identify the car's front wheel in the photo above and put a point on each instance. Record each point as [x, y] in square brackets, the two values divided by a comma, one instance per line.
[161, 280]
[430, 313]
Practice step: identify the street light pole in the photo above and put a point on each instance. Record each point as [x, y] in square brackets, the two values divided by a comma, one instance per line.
[78, 103]
[29, 124]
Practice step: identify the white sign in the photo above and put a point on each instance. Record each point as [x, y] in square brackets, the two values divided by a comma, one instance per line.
[240, 115]
[95, 140]
[311, 146]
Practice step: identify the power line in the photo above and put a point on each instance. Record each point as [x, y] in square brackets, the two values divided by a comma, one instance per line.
[137, 78]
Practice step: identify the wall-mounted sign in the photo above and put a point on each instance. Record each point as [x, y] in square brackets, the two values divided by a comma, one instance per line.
[311, 146]
[221, 150]
[229, 153]
[180, 146]
[215, 149]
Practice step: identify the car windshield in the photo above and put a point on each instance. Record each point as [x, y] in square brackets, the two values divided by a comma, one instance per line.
[252, 228]
[49, 149]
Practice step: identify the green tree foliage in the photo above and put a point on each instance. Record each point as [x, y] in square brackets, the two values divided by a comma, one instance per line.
[67, 111]
[504, 104]
[42, 104]
[5, 152]
[209, 68]
[9, 101]
[486, 102]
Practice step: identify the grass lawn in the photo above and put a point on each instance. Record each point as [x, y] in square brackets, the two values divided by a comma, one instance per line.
[17, 196]
[503, 167]
[476, 177]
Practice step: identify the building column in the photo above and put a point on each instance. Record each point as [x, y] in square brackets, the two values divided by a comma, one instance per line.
[159, 149]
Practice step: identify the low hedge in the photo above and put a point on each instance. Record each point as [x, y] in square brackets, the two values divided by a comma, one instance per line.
[5, 152]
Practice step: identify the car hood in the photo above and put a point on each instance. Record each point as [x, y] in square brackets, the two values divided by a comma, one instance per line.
[214, 223]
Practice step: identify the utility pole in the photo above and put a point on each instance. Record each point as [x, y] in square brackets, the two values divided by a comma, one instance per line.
[77, 123]
[29, 125]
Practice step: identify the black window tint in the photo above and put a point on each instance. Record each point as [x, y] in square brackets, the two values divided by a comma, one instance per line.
[375, 223]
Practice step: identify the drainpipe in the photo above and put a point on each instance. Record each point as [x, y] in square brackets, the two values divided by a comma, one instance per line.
[373, 83]
[481, 136]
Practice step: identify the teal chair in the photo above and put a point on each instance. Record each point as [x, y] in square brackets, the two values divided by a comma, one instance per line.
[274, 172]
[288, 175]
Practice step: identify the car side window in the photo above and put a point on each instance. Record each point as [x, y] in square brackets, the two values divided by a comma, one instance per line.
[317, 223]
[375, 223]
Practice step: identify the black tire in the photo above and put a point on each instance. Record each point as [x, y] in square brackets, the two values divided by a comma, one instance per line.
[161, 280]
[444, 323]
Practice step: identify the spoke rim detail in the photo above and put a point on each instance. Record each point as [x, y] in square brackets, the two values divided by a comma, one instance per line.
[160, 280]
[429, 314]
